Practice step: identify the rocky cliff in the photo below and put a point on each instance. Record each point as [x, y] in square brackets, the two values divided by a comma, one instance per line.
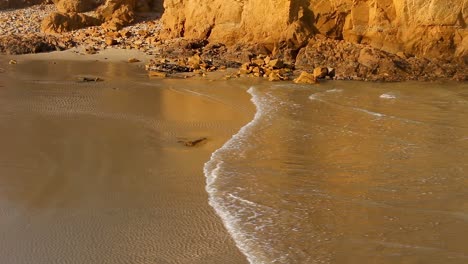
[424, 28]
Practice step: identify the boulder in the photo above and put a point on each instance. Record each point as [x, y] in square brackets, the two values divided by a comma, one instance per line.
[194, 62]
[368, 58]
[60, 22]
[117, 14]
[306, 78]
[320, 72]
[75, 6]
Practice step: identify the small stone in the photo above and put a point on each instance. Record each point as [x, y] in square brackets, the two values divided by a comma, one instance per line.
[258, 62]
[157, 74]
[320, 72]
[13, 62]
[256, 70]
[110, 41]
[133, 60]
[143, 33]
[245, 68]
[331, 72]
[276, 64]
[273, 77]
[306, 78]
[126, 33]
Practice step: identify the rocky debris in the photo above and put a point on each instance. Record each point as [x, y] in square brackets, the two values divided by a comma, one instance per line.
[5, 4]
[265, 66]
[461, 76]
[32, 44]
[192, 143]
[23, 21]
[362, 62]
[193, 64]
[306, 78]
[20, 33]
[61, 22]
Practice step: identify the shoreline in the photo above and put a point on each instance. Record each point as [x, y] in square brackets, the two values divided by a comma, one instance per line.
[198, 57]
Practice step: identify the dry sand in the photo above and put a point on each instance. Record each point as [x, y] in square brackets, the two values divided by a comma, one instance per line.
[94, 171]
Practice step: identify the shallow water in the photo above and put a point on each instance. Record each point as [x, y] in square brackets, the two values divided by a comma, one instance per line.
[348, 172]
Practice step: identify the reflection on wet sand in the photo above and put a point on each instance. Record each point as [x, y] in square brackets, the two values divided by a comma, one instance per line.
[93, 173]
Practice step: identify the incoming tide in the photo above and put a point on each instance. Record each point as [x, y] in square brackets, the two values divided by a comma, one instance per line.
[348, 172]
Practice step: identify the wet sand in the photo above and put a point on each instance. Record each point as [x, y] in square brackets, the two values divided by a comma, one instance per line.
[94, 173]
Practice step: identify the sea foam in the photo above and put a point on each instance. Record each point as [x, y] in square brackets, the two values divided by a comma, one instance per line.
[225, 203]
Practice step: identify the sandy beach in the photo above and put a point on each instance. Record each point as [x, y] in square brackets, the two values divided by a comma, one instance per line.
[150, 131]
[100, 175]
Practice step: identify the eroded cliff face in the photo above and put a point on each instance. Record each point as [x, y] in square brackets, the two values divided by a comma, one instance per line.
[425, 28]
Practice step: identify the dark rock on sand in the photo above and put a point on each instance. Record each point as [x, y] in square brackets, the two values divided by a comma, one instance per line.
[192, 143]
[89, 79]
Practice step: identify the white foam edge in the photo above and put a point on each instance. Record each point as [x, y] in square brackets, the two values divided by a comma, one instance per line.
[211, 170]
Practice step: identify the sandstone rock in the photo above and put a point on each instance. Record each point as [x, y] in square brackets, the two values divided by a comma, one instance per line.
[75, 6]
[110, 41]
[157, 74]
[306, 78]
[320, 72]
[245, 68]
[276, 64]
[59, 22]
[133, 60]
[426, 29]
[15, 44]
[368, 58]
[331, 72]
[258, 61]
[117, 14]
[273, 77]
[194, 62]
